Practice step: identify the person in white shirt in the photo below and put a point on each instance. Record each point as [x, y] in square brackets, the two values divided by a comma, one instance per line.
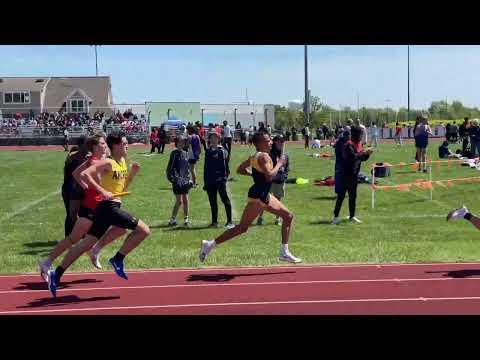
[364, 131]
[306, 135]
[66, 136]
[227, 137]
[374, 136]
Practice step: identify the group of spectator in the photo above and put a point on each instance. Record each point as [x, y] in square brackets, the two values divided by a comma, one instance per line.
[53, 123]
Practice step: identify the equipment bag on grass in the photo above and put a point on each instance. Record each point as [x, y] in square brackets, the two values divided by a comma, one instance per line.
[381, 170]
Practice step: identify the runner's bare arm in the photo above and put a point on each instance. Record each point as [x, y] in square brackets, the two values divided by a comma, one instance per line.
[243, 168]
[77, 177]
[99, 167]
[266, 168]
[131, 174]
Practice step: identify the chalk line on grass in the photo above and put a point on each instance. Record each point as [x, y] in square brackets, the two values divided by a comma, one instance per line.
[28, 206]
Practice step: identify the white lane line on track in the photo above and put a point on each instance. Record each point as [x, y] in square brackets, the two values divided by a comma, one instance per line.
[266, 283]
[279, 267]
[28, 206]
[294, 302]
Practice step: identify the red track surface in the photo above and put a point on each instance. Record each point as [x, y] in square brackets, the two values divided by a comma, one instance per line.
[342, 289]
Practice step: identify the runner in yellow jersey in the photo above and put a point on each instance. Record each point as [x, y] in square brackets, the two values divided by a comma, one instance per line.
[115, 178]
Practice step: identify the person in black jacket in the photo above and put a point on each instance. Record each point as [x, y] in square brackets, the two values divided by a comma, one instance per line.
[215, 175]
[464, 132]
[278, 183]
[72, 193]
[353, 155]
[179, 176]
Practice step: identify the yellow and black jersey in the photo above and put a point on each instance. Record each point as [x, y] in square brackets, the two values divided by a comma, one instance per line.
[114, 180]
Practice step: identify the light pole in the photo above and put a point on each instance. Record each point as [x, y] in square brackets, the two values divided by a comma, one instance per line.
[202, 115]
[408, 82]
[168, 114]
[387, 101]
[235, 116]
[96, 59]
[306, 104]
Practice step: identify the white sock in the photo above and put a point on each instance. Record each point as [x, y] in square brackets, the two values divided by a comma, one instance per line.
[48, 262]
[284, 248]
[212, 243]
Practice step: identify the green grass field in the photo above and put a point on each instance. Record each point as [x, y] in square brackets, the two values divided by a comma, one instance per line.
[404, 226]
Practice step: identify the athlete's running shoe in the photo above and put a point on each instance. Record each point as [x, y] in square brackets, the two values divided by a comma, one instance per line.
[206, 248]
[457, 213]
[52, 282]
[260, 221]
[44, 269]
[287, 256]
[95, 257]
[118, 268]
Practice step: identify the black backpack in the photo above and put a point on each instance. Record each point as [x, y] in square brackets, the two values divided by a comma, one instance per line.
[380, 170]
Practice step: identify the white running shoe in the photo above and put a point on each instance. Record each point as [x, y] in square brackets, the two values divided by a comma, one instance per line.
[278, 221]
[229, 226]
[336, 220]
[95, 257]
[354, 220]
[287, 256]
[457, 213]
[44, 269]
[207, 246]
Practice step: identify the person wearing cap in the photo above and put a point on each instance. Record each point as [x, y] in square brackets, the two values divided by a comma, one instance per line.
[215, 176]
[278, 183]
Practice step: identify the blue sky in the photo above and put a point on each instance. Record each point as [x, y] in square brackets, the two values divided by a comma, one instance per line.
[272, 74]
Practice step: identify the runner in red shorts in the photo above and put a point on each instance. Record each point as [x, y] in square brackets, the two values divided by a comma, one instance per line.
[97, 146]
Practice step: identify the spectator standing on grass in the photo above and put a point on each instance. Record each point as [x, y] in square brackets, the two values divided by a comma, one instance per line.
[194, 151]
[454, 129]
[66, 138]
[154, 140]
[421, 142]
[474, 132]
[448, 132]
[215, 176]
[353, 155]
[374, 136]
[364, 131]
[162, 138]
[464, 132]
[398, 134]
[179, 177]
[306, 135]
[227, 137]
